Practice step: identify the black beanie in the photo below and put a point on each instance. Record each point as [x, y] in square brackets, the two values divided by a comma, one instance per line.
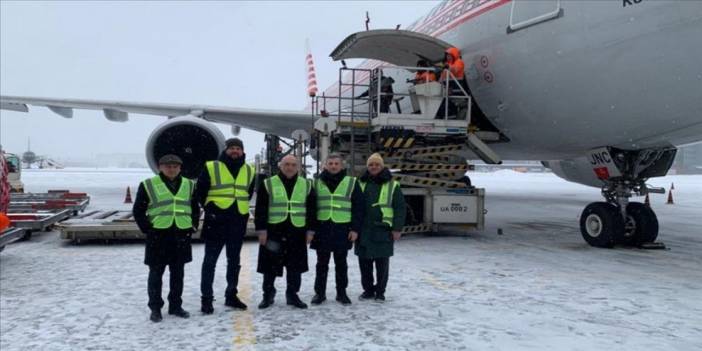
[234, 142]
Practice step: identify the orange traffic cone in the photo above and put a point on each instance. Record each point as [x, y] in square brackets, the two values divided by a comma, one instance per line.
[672, 186]
[670, 197]
[647, 202]
[128, 197]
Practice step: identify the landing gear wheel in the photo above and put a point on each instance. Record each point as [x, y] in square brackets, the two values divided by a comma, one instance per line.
[601, 224]
[641, 225]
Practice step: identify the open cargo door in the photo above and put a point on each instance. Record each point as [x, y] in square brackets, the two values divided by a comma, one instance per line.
[394, 46]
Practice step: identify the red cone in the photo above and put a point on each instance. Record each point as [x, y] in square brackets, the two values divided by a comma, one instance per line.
[670, 197]
[647, 202]
[128, 197]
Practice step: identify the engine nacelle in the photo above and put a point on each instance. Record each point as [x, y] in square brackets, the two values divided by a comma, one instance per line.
[193, 139]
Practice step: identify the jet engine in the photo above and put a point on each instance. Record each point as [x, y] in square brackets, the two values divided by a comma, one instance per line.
[193, 139]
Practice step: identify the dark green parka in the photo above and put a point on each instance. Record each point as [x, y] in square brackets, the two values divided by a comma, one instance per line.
[375, 239]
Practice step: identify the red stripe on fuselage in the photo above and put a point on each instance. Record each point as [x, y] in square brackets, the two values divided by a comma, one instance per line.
[470, 14]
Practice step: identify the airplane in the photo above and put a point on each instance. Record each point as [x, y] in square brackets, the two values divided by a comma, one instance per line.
[602, 92]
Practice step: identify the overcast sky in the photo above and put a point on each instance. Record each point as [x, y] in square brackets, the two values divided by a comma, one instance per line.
[240, 54]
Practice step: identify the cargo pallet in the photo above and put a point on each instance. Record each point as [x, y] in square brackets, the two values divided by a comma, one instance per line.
[108, 225]
[51, 200]
[33, 212]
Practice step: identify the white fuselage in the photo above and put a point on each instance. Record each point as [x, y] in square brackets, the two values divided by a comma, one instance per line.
[600, 74]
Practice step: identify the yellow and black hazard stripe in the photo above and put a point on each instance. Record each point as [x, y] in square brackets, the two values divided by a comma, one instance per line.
[397, 142]
[441, 175]
[421, 228]
[426, 182]
[435, 158]
[393, 138]
[424, 151]
[428, 166]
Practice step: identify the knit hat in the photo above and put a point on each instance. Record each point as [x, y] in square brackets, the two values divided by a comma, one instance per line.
[377, 158]
[234, 142]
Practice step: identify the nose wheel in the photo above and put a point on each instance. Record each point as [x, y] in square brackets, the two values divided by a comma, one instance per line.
[602, 224]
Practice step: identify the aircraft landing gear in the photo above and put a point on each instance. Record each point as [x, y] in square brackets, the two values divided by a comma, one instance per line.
[618, 221]
[605, 224]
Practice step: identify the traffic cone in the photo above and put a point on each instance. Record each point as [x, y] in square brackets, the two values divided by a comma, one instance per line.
[128, 197]
[670, 197]
[672, 186]
[647, 202]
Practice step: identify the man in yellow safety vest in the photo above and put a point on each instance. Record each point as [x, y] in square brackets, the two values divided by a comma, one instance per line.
[224, 189]
[340, 210]
[285, 209]
[167, 214]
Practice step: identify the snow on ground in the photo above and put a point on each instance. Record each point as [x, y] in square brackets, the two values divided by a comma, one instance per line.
[538, 286]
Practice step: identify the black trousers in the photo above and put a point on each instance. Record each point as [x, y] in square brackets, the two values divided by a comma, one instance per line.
[341, 268]
[213, 247]
[382, 268]
[176, 285]
[294, 280]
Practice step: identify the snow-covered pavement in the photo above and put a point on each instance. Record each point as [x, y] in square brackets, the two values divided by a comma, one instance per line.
[537, 286]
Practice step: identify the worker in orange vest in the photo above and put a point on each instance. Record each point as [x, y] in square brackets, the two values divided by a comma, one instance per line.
[454, 64]
[424, 76]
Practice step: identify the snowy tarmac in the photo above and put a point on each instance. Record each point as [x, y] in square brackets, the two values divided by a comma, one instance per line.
[537, 286]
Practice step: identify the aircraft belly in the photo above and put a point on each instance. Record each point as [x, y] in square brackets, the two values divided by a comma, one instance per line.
[597, 76]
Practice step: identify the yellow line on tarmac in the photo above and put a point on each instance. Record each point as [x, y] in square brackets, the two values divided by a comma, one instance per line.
[244, 333]
[431, 279]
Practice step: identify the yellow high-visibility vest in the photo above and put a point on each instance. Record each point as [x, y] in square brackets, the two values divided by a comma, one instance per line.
[337, 205]
[225, 190]
[385, 200]
[166, 208]
[280, 206]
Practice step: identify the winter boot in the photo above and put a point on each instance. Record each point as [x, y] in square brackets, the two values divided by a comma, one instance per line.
[206, 305]
[343, 298]
[380, 297]
[367, 295]
[267, 301]
[178, 312]
[318, 299]
[294, 300]
[233, 301]
[156, 316]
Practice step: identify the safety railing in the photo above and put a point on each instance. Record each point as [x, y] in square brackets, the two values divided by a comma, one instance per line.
[367, 105]
[355, 106]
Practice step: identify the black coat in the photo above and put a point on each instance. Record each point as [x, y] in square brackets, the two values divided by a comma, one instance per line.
[292, 253]
[164, 246]
[330, 236]
[218, 222]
